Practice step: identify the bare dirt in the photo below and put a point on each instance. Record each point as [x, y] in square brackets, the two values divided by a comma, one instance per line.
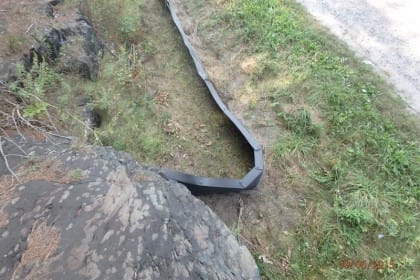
[384, 33]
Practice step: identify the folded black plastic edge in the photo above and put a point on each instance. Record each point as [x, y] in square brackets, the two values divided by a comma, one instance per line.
[202, 185]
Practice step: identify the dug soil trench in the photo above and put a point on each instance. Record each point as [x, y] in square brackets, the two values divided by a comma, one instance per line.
[263, 216]
[197, 138]
[156, 108]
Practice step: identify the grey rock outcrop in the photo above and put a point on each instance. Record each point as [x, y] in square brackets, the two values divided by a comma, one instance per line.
[81, 50]
[73, 48]
[94, 213]
[63, 38]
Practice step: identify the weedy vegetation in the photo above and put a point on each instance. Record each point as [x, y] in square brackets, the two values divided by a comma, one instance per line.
[44, 103]
[130, 121]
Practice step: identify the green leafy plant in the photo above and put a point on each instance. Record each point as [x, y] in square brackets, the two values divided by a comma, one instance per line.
[128, 26]
[35, 109]
[32, 88]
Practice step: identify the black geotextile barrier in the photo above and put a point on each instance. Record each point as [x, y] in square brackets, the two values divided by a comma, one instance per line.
[198, 184]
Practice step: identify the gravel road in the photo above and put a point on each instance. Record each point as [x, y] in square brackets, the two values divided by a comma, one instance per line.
[385, 33]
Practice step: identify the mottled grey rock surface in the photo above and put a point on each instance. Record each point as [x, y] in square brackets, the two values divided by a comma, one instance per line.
[80, 49]
[94, 213]
[57, 34]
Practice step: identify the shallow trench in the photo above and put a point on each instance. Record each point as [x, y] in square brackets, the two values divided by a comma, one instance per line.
[202, 141]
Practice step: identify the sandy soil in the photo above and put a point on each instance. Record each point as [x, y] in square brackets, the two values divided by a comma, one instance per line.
[385, 33]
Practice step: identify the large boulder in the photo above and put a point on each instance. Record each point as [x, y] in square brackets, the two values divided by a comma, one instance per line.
[84, 212]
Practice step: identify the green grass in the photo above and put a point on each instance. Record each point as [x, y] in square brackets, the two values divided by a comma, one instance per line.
[361, 161]
[15, 44]
[116, 20]
[129, 114]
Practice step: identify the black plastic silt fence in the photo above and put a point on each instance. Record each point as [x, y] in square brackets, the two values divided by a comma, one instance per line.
[198, 184]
